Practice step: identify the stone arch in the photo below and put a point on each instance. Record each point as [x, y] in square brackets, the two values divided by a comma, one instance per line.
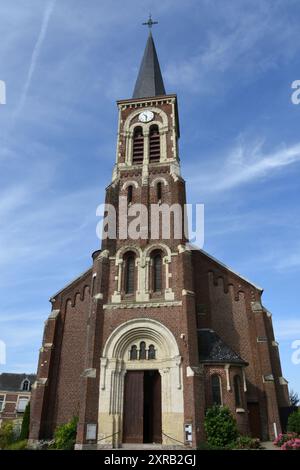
[117, 344]
[128, 132]
[159, 179]
[128, 126]
[115, 362]
[121, 252]
[130, 183]
[159, 246]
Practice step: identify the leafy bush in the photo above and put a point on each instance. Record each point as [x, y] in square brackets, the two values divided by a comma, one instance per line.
[25, 423]
[294, 422]
[18, 445]
[6, 434]
[220, 426]
[65, 435]
[246, 442]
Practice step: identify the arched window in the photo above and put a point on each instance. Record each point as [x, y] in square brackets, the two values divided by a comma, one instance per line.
[154, 144]
[159, 191]
[142, 350]
[129, 273]
[25, 387]
[157, 271]
[237, 390]
[129, 194]
[151, 352]
[133, 353]
[216, 389]
[138, 146]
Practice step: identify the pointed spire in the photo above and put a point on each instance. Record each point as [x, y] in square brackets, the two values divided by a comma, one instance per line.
[149, 81]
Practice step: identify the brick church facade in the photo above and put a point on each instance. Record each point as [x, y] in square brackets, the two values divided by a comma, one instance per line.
[156, 331]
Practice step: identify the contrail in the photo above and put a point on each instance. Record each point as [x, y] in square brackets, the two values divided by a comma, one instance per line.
[35, 53]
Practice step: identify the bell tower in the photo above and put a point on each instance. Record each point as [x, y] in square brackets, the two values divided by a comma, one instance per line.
[147, 173]
[148, 305]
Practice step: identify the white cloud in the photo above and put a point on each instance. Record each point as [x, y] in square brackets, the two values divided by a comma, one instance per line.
[245, 163]
[288, 329]
[36, 51]
[289, 260]
[235, 43]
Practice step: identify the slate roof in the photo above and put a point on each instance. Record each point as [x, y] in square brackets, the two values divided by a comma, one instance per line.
[12, 382]
[149, 81]
[212, 349]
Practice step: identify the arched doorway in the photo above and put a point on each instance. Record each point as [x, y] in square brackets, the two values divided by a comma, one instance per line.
[141, 393]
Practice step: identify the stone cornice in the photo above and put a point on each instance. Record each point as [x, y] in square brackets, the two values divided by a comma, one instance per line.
[116, 306]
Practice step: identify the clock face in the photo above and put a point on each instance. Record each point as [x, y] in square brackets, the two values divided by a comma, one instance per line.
[146, 116]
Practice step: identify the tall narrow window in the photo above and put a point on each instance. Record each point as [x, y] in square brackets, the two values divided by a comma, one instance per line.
[157, 272]
[133, 353]
[142, 350]
[129, 274]
[129, 194]
[237, 390]
[154, 144]
[138, 146]
[216, 390]
[159, 191]
[151, 352]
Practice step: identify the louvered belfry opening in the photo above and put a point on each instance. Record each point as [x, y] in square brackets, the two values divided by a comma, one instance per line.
[154, 144]
[138, 146]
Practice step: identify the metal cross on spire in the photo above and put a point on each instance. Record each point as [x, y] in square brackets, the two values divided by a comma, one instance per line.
[150, 22]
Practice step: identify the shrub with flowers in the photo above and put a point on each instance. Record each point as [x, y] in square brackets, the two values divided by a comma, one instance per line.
[292, 444]
[282, 438]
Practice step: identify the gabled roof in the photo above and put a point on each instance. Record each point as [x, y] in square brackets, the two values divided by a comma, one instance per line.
[69, 284]
[212, 349]
[195, 248]
[12, 382]
[149, 81]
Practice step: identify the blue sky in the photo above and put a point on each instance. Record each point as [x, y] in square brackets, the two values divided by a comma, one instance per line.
[65, 63]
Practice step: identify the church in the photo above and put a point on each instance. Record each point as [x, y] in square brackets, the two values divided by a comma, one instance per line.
[155, 331]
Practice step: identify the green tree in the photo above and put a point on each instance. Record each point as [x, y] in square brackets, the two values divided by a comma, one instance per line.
[220, 426]
[25, 423]
[294, 422]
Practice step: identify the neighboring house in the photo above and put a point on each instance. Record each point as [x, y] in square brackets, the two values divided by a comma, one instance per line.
[15, 393]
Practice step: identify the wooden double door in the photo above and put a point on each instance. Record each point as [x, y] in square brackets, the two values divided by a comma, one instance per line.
[142, 407]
